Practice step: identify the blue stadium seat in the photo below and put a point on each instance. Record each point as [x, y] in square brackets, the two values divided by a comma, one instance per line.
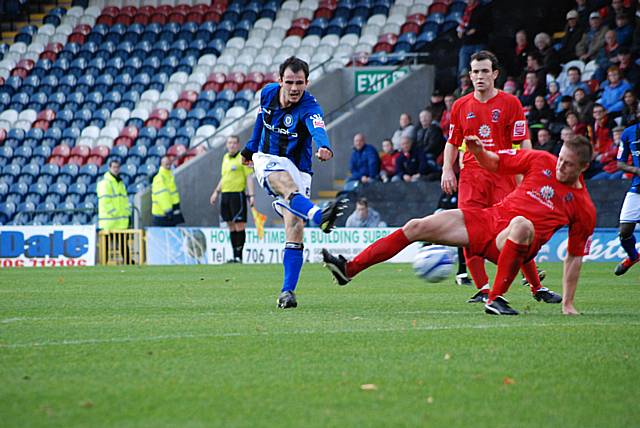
[194, 117]
[36, 193]
[243, 98]
[28, 174]
[112, 100]
[4, 189]
[6, 152]
[88, 174]
[48, 172]
[136, 187]
[5, 100]
[77, 67]
[11, 85]
[140, 82]
[269, 10]
[156, 152]
[215, 47]
[68, 174]
[41, 68]
[175, 120]
[119, 152]
[214, 117]
[128, 172]
[24, 214]
[121, 83]
[19, 101]
[7, 210]
[114, 66]
[243, 27]
[30, 84]
[85, 83]
[22, 155]
[318, 27]
[37, 101]
[17, 192]
[159, 80]
[76, 193]
[405, 42]
[62, 120]
[336, 26]
[57, 192]
[224, 29]
[48, 84]
[41, 152]
[53, 135]
[138, 151]
[69, 136]
[187, 63]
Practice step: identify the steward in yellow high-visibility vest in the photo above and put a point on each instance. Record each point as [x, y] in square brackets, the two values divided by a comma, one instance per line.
[165, 199]
[113, 203]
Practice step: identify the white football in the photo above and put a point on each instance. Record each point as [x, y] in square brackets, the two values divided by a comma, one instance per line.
[433, 263]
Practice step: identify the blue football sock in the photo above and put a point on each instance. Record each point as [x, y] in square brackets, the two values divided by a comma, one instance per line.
[629, 245]
[292, 262]
[300, 204]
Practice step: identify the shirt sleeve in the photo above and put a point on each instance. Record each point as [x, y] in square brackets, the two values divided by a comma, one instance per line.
[581, 232]
[314, 121]
[455, 129]
[516, 161]
[625, 147]
[518, 128]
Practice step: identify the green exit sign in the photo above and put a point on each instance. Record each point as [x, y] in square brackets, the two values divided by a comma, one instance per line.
[371, 81]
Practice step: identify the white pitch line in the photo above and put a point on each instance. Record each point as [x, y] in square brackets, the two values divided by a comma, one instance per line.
[267, 333]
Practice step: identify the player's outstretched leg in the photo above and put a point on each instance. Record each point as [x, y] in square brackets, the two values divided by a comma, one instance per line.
[540, 293]
[302, 207]
[337, 266]
[292, 262]
[628, 243]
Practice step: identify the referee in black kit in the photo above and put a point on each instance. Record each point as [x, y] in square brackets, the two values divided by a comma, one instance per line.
[235, 178]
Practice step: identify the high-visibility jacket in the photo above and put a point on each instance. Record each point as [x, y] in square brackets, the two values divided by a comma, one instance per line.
[113, 203]
[164, 194]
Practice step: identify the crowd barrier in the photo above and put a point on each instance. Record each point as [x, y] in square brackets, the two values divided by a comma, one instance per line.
[122, 247]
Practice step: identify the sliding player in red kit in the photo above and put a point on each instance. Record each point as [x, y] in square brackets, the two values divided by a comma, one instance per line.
[498, 120]
[552, 194]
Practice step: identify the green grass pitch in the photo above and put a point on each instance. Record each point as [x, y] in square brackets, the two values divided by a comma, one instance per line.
[203, 346]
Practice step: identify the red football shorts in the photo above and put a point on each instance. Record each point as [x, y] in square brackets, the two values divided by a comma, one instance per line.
[479, 188]
[483, 226]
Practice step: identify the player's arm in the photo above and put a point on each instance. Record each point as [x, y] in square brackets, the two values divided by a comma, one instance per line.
[251, 190]
[314, 122]
[252, 145]
[570, 276]
[623, 155]
[488, 160]
[448, 182]
[526, 144]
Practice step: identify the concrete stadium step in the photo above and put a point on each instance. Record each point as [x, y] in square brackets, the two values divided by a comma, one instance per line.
[339, 183]
[327, 194]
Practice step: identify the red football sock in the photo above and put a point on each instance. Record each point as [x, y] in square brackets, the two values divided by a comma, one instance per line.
[530, 271]
[475, 265]
[509, 263]
[381, 250]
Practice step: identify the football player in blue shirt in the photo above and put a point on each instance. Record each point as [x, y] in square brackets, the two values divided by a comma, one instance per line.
[289, 118]
[630, 212]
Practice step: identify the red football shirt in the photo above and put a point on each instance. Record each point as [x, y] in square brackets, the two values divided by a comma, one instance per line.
[546, 202]
[498, 123]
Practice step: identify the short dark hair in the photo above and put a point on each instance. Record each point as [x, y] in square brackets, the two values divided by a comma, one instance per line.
[582, 147]
[114, 160]
[295, 64]
[574, 68]
[482, 55]
[363, 201]
[536, 56]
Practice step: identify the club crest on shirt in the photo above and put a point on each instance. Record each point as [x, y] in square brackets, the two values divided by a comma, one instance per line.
[471, 115]
[547, 173]
[495, 115]
[568, 197]
[544, 196]
[288, 120]
[484, 131]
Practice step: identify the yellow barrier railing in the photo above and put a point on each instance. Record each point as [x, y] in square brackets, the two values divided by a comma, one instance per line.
[122, 247]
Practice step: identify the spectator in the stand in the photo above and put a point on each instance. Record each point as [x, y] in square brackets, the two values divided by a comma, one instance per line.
[613, 10]
[546, 143]
[583, 106]
[574, 81]
[629, 109]
[572, 34]
[363, 216]
[613, 90]
[550, 59]
[534, 63]
[437, 104]
[388, 161]
[610, 170]
[364, 164]
[540, 115]
[593, 40]
[602, 139]
[628, 67]
[608, 55]
[429, 137]
[565, 135]
[406, 129]
[624, 29]
[564, 106]
[553, 95]
[572, 121]
[465, 85]
[445, 120]
[530, 90]
[520, 53]
[510, 86]
[411, 163]
[473, 30]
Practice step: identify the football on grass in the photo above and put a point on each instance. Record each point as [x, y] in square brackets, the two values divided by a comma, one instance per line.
[433, 263]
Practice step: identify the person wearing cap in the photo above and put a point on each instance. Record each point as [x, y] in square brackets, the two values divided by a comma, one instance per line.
[572, 35]
[465, 86]
[592, 41]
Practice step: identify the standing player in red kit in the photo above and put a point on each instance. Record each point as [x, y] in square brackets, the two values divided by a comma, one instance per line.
[552, 194]
[498, 120]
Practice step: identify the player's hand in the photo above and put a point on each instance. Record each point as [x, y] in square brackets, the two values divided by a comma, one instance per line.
[252, 201]
[569, 309]
[247, 162]
[324, 154]
[448, 182]
[474, 144]
[214, 196]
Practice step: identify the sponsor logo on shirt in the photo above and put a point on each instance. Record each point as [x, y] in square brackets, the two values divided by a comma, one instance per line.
[495, 115]
[288, 120]
[281, 131]
[544, 196]
[511, 152]
[547, 173]
[318, 122]
[471, 115]
[520, 128]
